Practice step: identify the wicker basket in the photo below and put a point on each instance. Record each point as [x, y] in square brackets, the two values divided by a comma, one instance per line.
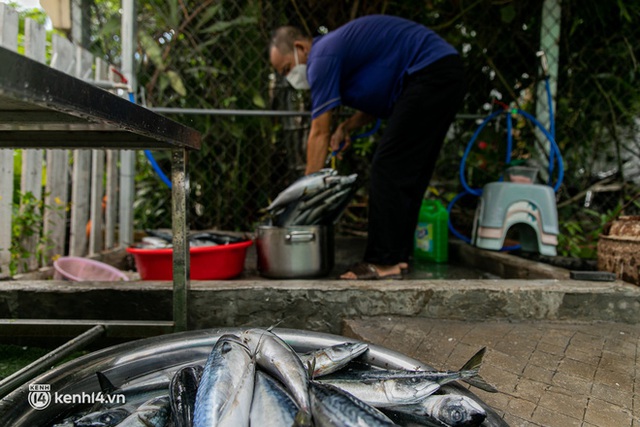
[619, 250]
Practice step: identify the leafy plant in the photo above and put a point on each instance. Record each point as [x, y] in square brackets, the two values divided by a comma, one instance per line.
[579, 235]
[576, 241]
[26, 222]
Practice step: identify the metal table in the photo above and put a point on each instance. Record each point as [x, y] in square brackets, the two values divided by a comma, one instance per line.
[41, 107]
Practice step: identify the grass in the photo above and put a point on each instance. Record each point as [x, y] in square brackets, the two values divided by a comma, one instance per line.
[15, 357]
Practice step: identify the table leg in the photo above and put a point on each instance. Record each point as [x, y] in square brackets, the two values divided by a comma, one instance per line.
[181, 275]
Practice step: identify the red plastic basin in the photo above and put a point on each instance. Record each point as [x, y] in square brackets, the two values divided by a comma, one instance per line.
[207, 262]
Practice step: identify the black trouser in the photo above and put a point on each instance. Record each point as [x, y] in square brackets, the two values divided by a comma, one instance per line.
[406, 156]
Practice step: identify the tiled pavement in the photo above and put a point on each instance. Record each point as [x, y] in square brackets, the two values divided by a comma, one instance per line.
[553, 374]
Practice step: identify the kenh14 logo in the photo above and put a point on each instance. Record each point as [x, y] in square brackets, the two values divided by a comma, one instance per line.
[39, 396]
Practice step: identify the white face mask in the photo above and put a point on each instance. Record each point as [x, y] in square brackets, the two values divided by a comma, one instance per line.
[297, 77]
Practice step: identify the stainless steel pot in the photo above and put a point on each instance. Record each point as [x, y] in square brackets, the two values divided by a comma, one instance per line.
[295, 252]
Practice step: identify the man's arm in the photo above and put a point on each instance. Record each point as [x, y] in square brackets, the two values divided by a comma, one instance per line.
[318, 142]
[344, 129]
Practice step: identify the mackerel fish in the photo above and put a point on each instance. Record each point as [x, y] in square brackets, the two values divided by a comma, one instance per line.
[226, 387]
[153, 413]
[331, 359]
[386, 392]
[277, 358]
[467, 373]
[453, 410]
[272, 405]
[334, 407]
[132, 394]
[304, 186]
[105, 418]
[182, 394]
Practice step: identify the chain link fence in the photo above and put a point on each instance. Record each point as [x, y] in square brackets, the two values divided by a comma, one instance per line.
[213, 55]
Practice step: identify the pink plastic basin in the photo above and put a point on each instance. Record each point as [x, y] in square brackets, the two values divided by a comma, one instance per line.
[79, 269]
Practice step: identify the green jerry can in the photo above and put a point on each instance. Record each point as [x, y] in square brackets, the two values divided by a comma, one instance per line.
[431, 242]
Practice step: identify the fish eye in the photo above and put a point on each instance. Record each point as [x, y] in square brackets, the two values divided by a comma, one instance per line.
[225, 348]
[456, 415]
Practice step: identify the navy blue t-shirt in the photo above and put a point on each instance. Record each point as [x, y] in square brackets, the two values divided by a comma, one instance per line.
[363, 63]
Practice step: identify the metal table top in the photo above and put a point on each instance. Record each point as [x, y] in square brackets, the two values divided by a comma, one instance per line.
[41, 107]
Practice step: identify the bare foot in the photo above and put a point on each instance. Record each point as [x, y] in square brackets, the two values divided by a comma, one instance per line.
[383, 271]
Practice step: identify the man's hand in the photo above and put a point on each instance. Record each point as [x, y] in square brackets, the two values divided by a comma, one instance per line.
[342, 133]
[320, 137]
[340, 136]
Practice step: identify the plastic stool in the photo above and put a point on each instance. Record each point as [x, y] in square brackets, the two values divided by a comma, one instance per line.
[528, 208]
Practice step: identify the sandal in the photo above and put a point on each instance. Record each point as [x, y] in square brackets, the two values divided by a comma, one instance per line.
[366, 271]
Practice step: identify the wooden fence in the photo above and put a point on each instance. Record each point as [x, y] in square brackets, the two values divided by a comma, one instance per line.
[78, 190]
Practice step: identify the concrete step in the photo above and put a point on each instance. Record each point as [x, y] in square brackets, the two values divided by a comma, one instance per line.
[320, 305]
[468, 288]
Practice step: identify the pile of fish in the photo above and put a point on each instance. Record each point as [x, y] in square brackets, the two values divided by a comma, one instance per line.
[159, 239]
[254, 378]
[315, 199]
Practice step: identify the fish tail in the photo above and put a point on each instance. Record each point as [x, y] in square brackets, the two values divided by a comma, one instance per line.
[275, 325]
[479, 382]
[474, 363]
[470, 372]
[106, 386]
[311, 368]
[302, 419]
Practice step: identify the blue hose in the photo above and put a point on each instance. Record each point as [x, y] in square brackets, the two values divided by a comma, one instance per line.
[463, 180]
[554, 147]
[370, 132]
[509, 138]
[552, 126]
[157, 168]
[553, 152]
[449, 207]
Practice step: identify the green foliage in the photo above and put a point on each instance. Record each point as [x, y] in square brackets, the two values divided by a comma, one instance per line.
[26, 222]
[16, 357]
[599, 100]
[580, 232]
[106, 25]
[17, 174]
[152, 204]
[579, 236]
[39, 17]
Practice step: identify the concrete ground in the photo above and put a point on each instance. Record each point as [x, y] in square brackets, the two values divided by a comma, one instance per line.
[553, 374]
